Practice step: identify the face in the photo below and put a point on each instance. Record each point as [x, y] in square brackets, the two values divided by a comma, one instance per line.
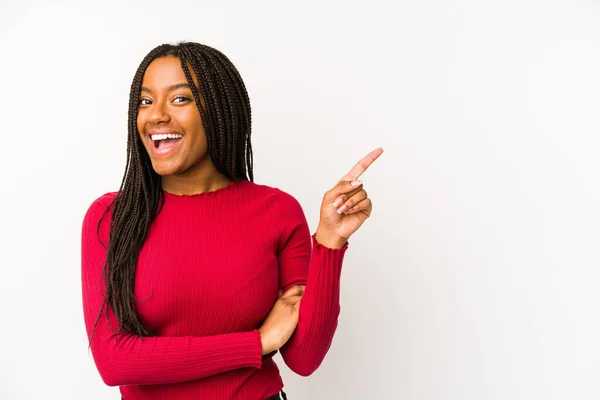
[167, 110]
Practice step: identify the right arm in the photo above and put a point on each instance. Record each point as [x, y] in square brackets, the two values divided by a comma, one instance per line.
[157, 359]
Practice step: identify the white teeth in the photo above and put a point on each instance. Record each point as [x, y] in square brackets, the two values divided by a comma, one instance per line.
[166, 136]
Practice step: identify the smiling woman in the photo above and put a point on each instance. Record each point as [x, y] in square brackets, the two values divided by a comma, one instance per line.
[170, 124]
[206, 274]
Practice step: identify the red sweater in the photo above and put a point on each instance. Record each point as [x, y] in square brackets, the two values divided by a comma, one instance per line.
[207, 276]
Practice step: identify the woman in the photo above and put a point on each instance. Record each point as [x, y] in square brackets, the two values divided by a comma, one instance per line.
[200, 275]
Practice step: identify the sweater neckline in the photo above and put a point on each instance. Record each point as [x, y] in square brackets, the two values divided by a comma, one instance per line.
[211, 193]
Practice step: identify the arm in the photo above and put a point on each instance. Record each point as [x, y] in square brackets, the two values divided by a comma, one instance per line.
[343, 210]
[150, 360]
[303, 260]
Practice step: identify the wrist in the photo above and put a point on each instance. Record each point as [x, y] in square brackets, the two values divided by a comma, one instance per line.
[330, 240]
[264, 348]
[262, 342]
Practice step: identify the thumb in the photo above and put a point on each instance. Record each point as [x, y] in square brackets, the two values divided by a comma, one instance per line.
[296, 290]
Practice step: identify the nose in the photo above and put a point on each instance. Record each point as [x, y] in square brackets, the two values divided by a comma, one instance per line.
[158, 114]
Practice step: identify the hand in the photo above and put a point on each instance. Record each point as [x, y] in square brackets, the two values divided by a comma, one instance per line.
[282, 320]
[345, 207]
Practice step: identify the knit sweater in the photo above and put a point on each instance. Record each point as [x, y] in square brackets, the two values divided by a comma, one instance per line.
[206, 277]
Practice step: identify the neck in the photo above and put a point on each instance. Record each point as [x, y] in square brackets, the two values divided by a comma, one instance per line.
[195, 183]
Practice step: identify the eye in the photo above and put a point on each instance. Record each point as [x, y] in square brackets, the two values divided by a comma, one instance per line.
[142, 102]
[182, 98]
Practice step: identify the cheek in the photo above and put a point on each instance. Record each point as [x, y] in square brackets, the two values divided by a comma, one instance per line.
[140, 124]
[192, 123]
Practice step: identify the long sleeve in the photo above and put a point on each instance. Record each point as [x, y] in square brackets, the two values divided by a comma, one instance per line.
[302, 260]
[150, 360]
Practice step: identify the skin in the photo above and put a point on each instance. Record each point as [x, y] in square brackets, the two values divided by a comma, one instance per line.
[189, 169]
[344, 209]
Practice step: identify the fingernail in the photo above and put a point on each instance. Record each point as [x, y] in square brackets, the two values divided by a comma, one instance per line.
[355, 183]
[341, 209]
[337, 202]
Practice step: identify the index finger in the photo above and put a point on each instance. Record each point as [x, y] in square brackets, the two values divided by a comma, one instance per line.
[362, 165]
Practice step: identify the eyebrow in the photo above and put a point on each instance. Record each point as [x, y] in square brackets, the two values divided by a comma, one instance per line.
[170, 88]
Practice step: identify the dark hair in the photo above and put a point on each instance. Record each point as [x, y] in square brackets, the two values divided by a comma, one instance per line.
[227, 123]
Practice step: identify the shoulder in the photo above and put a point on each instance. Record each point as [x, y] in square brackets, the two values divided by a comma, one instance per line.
[278, 198]
[102, 202]
[98, 207]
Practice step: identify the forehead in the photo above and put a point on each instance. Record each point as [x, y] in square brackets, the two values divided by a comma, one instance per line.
[164, 72]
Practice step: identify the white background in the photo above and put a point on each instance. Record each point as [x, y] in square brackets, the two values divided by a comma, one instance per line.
[477, 276]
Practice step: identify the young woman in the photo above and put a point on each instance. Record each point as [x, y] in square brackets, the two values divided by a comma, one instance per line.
[194, 276]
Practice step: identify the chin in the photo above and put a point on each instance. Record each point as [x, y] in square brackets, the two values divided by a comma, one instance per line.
[165, 169]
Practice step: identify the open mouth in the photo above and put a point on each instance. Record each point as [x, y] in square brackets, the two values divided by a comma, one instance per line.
[165, 143]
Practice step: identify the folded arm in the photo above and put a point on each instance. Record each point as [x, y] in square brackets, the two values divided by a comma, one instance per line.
[149, 360]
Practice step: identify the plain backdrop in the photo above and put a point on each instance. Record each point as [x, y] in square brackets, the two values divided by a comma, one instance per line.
[477, 275]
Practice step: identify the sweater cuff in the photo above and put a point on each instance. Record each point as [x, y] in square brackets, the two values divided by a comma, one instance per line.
[255, 344]
[324, 248]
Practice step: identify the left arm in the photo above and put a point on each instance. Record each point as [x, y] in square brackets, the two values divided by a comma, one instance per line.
[319, 311]
[304, 260]
[317, 263]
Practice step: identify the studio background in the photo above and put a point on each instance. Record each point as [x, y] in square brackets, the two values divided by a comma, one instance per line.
[476, 276]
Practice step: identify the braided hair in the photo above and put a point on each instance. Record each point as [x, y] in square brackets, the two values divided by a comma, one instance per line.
[227, 123]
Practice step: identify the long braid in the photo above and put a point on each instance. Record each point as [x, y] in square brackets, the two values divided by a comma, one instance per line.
[199, 62]
[204, 63]
[210, 123]
[245, 147]
[239, 102]
[224, 98]
[227, 123]
[232, 105]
